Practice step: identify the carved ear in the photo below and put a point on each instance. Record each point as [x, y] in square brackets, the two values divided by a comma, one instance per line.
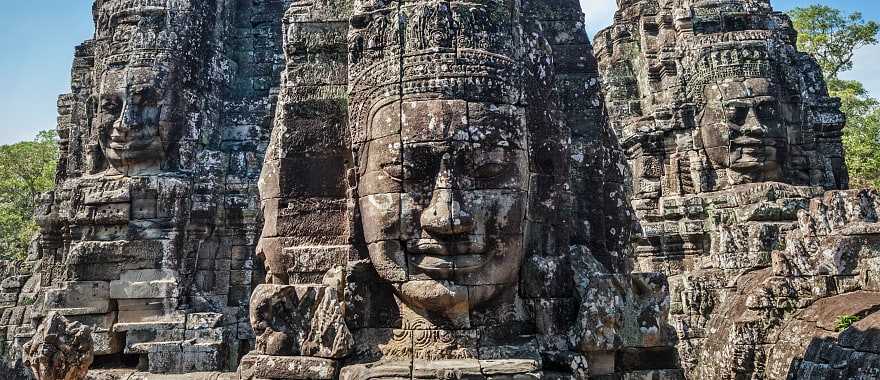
[91, 107]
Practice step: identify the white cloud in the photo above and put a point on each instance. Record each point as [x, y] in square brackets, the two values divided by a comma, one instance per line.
[600, 14]
[865, 69]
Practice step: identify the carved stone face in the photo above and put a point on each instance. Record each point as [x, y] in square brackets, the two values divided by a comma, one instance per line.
[443, 187]
[743, 127]
[135, 115]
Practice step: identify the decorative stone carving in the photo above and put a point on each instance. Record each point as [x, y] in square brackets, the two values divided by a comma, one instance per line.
[445, 197]
[134, 224]
[426, 201]
[739, 178]
[60, 349]
[150, 234]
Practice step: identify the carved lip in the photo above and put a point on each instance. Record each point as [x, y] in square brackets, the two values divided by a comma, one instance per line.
[752, 151]
[443, 266]
[473, 245]
[440, 259]
[129, 145]
[746, 141]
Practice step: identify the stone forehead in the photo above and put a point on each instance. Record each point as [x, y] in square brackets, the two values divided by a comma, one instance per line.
[127, 75]
[121, 7]
[144, 32]
[424, 120]
[740, 88]
[730, 62]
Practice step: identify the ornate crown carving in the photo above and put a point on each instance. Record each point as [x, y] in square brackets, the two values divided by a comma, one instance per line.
[138, 32]
[716, 64]
[116, 8]
[466, 74]
[419, 52]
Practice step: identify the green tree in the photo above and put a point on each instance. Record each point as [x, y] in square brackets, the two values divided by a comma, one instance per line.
[833, 39]
[861, 138]
[26, 170]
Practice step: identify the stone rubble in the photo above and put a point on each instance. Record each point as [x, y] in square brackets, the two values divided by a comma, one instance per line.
[60, 349]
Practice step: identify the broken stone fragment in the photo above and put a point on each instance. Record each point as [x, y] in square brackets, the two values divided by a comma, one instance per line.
[254, 366]
[60, 349]
[79, 298]
[147, 283]
[301, 319]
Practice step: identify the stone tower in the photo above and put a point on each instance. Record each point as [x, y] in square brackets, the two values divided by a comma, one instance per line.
[150, 234]
[427, 201]
[738, 186]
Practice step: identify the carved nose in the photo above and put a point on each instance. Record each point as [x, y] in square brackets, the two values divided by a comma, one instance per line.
[118, 132]
[753, 127]
[445, 215]
[129, 118]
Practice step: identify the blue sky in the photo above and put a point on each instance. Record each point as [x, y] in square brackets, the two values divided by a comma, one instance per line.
[37, 38]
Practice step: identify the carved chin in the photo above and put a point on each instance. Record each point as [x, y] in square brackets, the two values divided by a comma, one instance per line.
[444, 296]
[433, 294]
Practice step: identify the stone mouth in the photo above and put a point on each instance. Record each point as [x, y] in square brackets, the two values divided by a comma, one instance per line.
[747, 141]
[444, 266]
[470, 245]
[126, 145]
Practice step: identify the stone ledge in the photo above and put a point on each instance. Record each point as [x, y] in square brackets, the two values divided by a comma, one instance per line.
[255, 366]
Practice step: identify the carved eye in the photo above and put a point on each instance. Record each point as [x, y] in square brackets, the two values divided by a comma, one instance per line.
[142, 96]
[394, 170]
[737, 114]
[405, 172]
[489, 170]
[766, 111]
[110, 105]
[360, 21]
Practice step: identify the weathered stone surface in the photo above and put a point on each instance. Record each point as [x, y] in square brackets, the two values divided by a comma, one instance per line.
[60, 349]
[442, 195]
[80, 298]
[149, 283]
[297, 320]
[740, 187]
[155, 213]
[255, 366]
[446, 200]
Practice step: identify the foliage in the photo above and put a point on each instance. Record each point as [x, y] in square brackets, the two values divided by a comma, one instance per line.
[845, 321]
[833, 39]
[861, 137]
[26, 170]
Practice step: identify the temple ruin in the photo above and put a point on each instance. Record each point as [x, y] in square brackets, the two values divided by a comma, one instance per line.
[740, 189]
[424, 189]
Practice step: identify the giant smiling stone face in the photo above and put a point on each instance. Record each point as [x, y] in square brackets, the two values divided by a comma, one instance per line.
[744, 127]
[443, 192]
[136, 115]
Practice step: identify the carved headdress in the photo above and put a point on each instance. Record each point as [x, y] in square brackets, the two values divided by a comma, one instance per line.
[718, 63]
[419, 51]
[660, 56]
[144, 32]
